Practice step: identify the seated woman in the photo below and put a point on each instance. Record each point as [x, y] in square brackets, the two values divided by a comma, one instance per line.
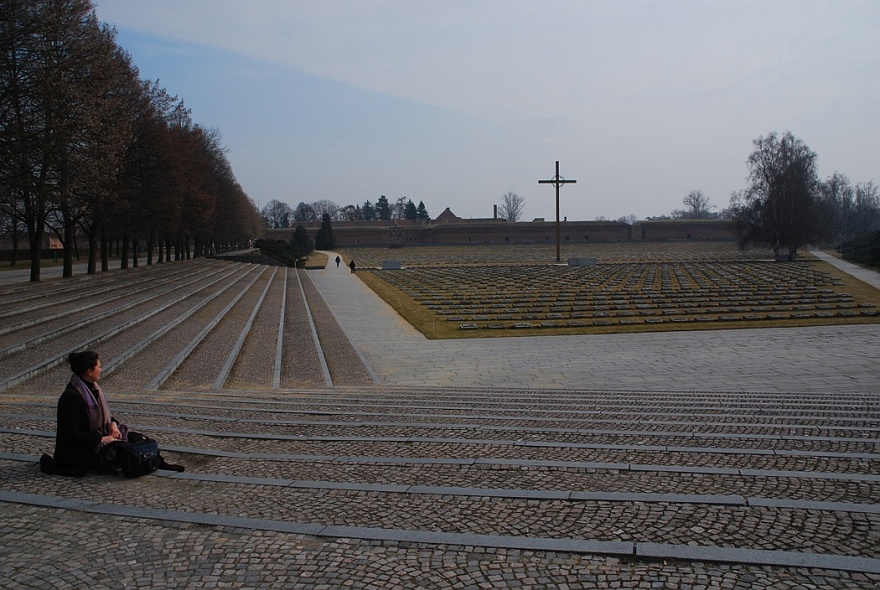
[85, 426]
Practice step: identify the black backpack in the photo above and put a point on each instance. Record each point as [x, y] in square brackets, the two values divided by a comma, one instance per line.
[136, 458]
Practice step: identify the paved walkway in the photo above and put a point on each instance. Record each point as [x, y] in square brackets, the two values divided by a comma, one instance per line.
[828, 358]
[872, 277]
[21, 273]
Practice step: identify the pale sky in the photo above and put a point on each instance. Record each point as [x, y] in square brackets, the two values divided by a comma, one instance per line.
[456, 102]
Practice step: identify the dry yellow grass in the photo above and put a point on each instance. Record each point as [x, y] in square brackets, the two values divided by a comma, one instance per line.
[316, 260]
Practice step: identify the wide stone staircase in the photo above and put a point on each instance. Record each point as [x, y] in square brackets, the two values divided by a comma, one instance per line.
[304, 472]
[201, 324]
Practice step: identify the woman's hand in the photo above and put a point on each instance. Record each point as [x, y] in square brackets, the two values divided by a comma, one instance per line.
[115, 434]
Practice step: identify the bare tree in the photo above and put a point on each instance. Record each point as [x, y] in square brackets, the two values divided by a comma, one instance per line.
[780, 207]
[324, 206]
[48, 69]
[350, 213]
[276, 215]
[87, 148]
[118, 105]
[867, 207]
[399, 208]
[304, 213]
[697, 205]
[838, 198]
[511, 207]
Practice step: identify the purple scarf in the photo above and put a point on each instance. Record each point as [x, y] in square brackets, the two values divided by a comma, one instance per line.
[96, 406]
[99, 412]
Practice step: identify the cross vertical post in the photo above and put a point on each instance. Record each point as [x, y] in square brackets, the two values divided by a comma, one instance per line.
[558, 181]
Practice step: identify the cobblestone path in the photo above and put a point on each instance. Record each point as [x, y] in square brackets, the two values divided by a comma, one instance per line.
[292, 482]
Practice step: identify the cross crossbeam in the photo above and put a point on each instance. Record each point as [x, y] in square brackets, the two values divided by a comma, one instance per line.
[557, 181]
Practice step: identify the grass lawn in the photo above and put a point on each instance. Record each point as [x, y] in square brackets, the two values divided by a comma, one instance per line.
[502, 291]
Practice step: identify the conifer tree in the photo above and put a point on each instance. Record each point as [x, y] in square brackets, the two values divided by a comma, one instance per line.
[301, 242]
[325, 240]
[383, 208]
[411, 211]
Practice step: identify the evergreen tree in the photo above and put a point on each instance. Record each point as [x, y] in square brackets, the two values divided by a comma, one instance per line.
[383, 208]
[368, 212]
[300, 241]
[410, 212]
[422, 212]
[325, 240]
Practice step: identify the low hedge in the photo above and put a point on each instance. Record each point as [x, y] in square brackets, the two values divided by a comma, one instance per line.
[864, 249]
[278, 250]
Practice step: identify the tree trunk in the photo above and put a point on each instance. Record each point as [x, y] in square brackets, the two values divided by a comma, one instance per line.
[151, 242]
[67, 251]
[105, 250]
[93, 251]
[123, 254]
[36, 255]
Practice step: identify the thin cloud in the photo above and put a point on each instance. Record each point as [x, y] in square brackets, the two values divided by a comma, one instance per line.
[644, 100]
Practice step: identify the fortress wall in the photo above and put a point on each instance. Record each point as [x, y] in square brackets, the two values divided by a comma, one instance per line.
[385, 233]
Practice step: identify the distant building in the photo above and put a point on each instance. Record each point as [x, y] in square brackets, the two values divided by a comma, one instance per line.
[448, 217]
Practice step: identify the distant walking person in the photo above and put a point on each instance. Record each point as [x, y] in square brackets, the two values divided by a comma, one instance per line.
[351, 265]
[338, 260]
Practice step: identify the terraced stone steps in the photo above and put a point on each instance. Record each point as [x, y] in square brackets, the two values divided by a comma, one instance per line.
[197, 324]
[33, 331]
[604, 488]
[316, 461]
[157, 316]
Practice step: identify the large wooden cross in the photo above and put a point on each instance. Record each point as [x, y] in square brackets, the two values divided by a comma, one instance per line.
[558, 181]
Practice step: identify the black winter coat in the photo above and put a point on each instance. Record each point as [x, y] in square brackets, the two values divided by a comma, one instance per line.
[75, 442]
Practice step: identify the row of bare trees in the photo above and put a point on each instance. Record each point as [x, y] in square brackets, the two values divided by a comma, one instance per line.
[89, 150]
[277, 214]
[786, 206]
[848, 210]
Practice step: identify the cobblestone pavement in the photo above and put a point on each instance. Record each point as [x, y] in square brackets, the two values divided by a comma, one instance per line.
[427, 488]
[75, 550]
[685, 480]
